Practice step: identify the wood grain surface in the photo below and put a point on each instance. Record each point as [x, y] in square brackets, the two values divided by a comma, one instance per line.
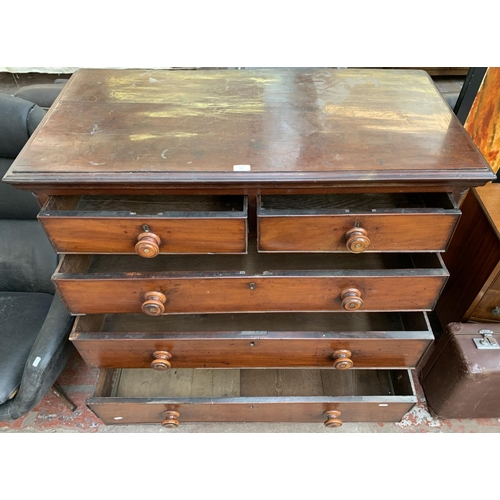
[383, 340]
[290, 396]
[399, 222]
[190, 224]
[136, 127]
[473, 259]
[250, 283]
[190, 351]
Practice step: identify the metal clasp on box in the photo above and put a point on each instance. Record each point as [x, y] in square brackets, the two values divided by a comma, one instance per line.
[487, 341]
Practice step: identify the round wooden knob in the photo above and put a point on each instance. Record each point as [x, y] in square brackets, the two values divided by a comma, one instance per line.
[171, 417]
[351, 299]
[332, 418]
[148, 245]
[342, 359]
[357, 240]
[495, 311]
[154, 305]
[161, 361]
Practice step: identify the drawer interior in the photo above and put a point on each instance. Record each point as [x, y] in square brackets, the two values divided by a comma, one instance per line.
[235, 383]
[357, 324]
[362, 202]
[144, 205]
[253, 263]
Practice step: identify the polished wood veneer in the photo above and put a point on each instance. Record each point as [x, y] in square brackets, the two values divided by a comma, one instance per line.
[384, 340]
[251, 283]
[131, 396]
[172, 130]
[182, 224]
[324, 223]
[473, 291]
[254, 245]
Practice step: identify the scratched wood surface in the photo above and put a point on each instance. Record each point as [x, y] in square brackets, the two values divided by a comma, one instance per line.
[285, 125]
[298, 409]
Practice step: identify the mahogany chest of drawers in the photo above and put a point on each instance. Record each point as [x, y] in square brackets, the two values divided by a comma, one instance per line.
[254, 245]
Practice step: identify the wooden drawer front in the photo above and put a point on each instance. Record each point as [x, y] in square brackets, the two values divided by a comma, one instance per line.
[182, 224]
[488, 308]
[392, 340]
[102, 285]
[342, 223]
[143, 396]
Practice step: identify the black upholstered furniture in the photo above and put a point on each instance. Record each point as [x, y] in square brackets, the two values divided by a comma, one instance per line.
[42, 94]
[34, 324]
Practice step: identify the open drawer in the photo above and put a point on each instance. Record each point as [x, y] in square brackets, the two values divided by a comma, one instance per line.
[186, 395]
[254, 282]
[341, 341]
[146, 225]
[364, 222]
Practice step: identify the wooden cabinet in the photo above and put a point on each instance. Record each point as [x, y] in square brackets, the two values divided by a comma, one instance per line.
[327, 340]
[473, 259]
[255, 245]
[376, 222]
[146, 225]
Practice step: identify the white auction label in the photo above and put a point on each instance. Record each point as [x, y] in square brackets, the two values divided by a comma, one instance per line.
[241, 168]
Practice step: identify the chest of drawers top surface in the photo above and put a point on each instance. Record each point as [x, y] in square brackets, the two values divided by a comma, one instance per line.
[252, 128]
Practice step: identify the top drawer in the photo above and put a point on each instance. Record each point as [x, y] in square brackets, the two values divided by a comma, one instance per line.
[365, 222]
[146, 225]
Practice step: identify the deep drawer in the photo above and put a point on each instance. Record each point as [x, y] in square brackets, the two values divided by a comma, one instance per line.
[398, 222]
[250, 283]
[185, 395]
[341, 341]
[146, 225]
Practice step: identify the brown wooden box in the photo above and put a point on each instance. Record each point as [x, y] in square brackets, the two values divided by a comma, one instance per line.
[143, 396]
[251, 283]
[390, 222]
[368, 340]
[113, 224]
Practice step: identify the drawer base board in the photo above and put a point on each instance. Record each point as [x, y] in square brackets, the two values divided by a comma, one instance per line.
[143, 396]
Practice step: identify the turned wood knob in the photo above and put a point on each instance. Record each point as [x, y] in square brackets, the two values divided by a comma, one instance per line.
[154, 305]
[332, 418]
[495, 311]
[351, 299]
[161, 361]
[148, 245]
[342, 359]
[171, 417]
[357, 240]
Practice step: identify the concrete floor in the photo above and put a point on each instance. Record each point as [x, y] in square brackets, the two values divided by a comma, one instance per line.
[77, 380]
